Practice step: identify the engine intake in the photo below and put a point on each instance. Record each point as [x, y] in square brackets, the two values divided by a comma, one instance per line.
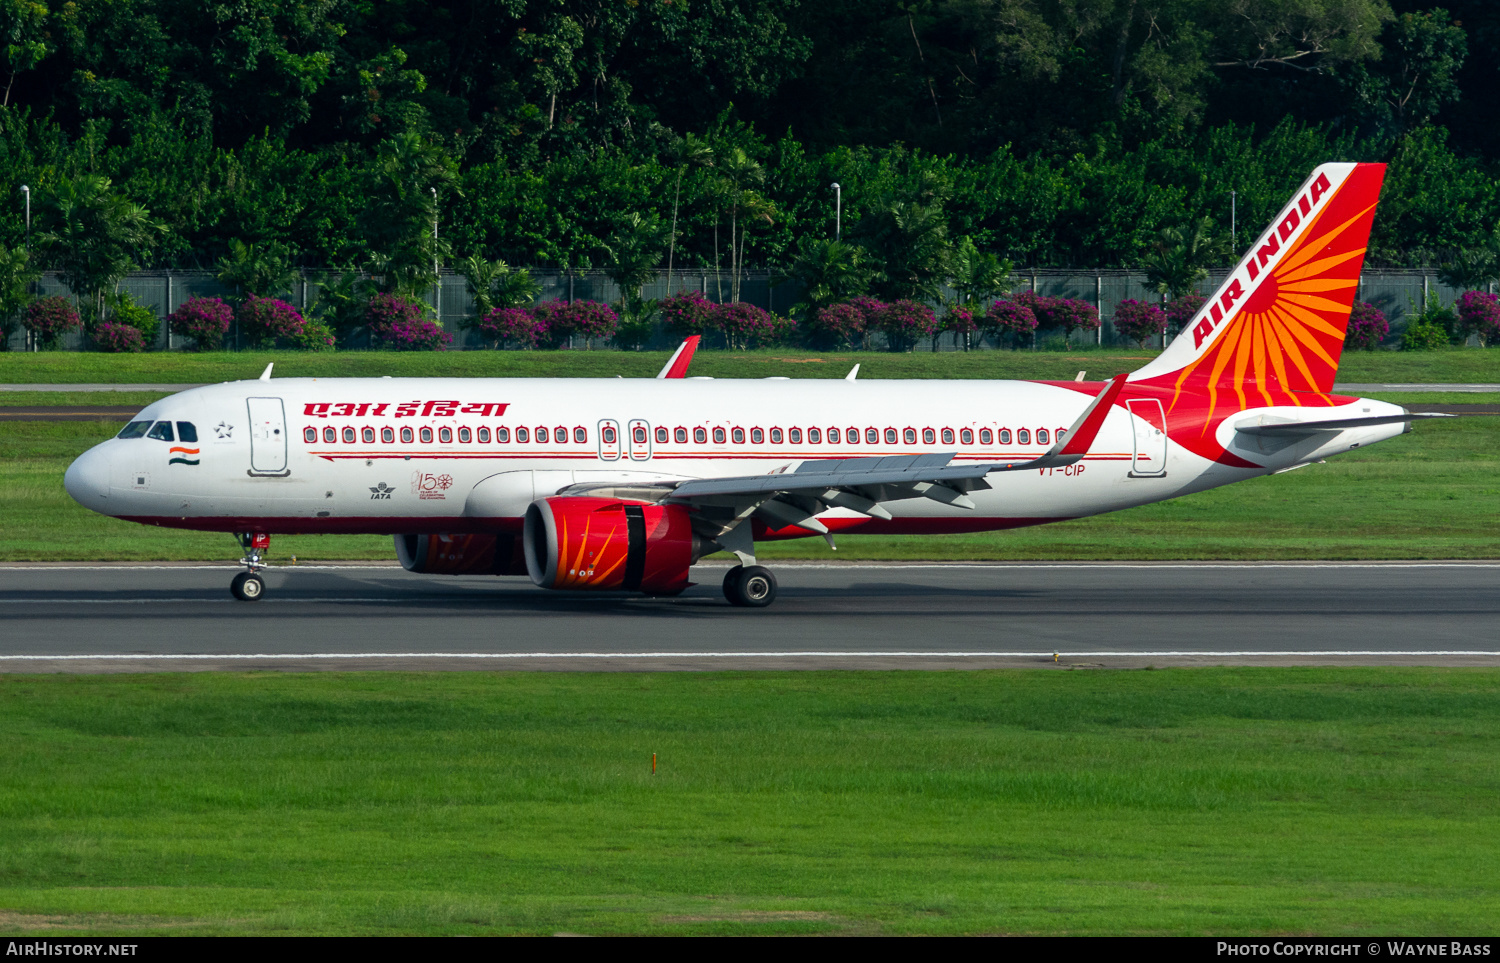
[582, 542]
[460, 554]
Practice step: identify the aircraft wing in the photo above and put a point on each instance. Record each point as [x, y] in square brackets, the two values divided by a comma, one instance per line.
[862, 484]
[677, 365]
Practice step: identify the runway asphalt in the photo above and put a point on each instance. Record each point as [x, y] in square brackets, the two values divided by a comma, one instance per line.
[112, 618]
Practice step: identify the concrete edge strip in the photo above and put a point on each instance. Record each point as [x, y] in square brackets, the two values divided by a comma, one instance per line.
[305, 656]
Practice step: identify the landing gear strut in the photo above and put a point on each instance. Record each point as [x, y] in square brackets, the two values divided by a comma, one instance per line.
[248, 586]
[750, 586]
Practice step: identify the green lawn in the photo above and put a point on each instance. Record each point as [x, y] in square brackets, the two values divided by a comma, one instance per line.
[1207, 801]
[1433, 493]
[1450, 365]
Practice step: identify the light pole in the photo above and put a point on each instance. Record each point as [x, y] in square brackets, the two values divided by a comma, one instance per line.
[1234, 240]
[27, 191]
[437, 288]
[838, 210]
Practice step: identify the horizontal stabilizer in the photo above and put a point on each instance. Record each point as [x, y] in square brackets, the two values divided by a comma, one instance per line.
[1330, 424]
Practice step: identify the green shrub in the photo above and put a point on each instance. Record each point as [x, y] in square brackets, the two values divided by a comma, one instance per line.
[123, 309]
[1422, 335]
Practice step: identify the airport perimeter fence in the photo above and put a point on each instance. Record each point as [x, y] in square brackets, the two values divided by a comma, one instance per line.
[1396, 291]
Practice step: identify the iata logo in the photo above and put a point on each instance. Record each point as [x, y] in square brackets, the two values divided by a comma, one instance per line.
[427, 486]
[381, 492]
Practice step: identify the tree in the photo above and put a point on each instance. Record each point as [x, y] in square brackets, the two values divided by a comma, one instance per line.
[495, 284]
[1472, 268]
[635, 250]
[1179, 257]
[908, 240]
[259, 267]
[23, 39]
[1418, 74]
[399, 222]
[17, 275]
[740, 175]
[690, 152]
[830, 271]
[93, 236]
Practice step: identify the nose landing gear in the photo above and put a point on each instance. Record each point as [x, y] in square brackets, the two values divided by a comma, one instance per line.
[248, 586]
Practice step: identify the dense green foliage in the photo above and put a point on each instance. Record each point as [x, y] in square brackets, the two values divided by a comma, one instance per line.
[253, 136]
[1199, 801]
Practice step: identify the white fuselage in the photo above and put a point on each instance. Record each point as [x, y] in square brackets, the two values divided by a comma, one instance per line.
[399, 455]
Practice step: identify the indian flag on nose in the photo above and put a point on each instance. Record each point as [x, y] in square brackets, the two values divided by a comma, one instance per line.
[180, 455]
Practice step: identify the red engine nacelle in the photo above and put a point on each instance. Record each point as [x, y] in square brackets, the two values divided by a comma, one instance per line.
[579, 542]
[461, 554]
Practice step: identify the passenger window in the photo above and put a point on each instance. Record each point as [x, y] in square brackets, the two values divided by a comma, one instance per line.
[872, 436]
[405, 436]
[523, 436]
[661, 435]
[852, 436]
[1004, 436]
[561, 434]
[1023, 436]
[309, 435]
[966, 436]
[1062, 433]
[814, 436]
[608, 433]
[136, 429]
[737, 435]
[757, 436]
[833, 436]
[639, 433]
[947, 436]
[465, 436]
[680, 435]
[700, 436]
[484, 436]
[794, 435]
[775, 436]
[909, 436]
[929, 437]
[161, 431]
[367, 435]
[890, 436]
[330, 435]
[186, 431]
[541, 436]
[502, 435]
[718, 436]
[425, 434]
[348, 436]
[581, 435]
[387, 435]
[1041, 436]
[985, 436]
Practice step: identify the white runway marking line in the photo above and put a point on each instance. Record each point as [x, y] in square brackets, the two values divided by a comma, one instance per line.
[826, 566]
[252, 656]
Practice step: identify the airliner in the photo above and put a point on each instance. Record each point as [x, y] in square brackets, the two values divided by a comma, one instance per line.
[623, 484]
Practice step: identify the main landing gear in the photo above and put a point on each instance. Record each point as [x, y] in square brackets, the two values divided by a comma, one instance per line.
[248, 586]
[750, 586]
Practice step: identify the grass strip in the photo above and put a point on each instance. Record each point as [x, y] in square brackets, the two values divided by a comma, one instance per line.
[1202, 801]
[1450, 365]
[1432, 493]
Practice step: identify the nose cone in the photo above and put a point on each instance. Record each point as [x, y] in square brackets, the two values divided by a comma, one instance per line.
[87, 479]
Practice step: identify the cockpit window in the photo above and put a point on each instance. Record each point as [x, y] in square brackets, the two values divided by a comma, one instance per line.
[186, 431]
[161, 431]
[134, 430]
